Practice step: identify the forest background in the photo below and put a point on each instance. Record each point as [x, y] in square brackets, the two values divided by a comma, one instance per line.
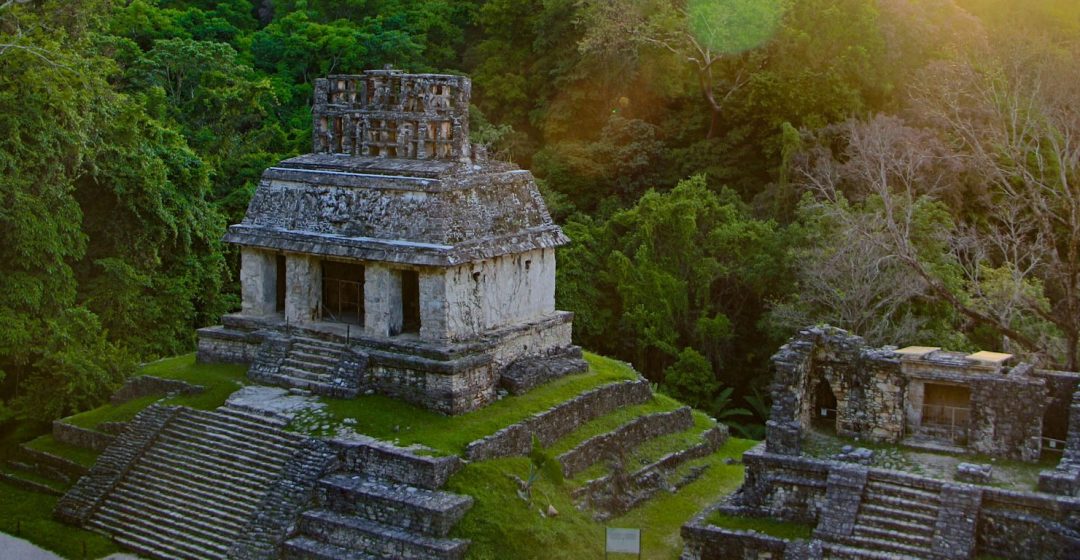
[729, 170]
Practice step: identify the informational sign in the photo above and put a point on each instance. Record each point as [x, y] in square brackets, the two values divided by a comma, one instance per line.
[623, 540]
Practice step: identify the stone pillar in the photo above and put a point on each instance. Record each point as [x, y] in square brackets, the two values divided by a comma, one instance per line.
[258, 281]
[382, 300]
[303, 287]
[433, 306]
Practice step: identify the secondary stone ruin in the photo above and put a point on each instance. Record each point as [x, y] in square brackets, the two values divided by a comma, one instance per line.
[915, 395]
[826, 379]
[396, 258]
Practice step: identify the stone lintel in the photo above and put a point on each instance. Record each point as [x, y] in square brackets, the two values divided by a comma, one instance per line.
[394, 251]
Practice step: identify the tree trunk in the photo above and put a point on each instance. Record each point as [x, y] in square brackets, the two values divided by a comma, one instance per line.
[714, 125]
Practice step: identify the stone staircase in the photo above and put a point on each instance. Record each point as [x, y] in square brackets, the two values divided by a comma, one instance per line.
[321, 366]
[358, 517]
[894, 521]
[194, 492]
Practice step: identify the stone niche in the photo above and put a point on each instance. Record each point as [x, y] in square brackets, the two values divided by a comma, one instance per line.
[395, 240]
[828, 378]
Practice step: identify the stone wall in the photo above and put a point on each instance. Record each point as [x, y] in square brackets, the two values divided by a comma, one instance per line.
[81, 437]
[493, 293]
[147, 386]
[258, 281]
[381, 460]
[1007, 416]
[624, 439]
[554, 423]
[1060, 386]
[222, 345]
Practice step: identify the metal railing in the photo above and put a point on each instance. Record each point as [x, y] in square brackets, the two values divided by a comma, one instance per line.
[945, 422]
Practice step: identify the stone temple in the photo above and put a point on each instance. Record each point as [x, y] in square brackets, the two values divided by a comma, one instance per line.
[395, 258]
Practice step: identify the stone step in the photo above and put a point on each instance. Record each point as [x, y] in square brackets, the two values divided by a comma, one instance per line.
[198, 486]
[245, 425]
[235, 439]
[902, 504]
[428, 512]
[359, 534]
[242, 495]
[192, 465]
[314, 367]
[203, 507]
[316, 347]
[176, 487]
[872, 543]
[153, 546]
[137, 528]
[903, 524]
[901, 491]
[267, 435]
[303, 372]
[252, 415]
[330, 359]
[912, 516]
[913, 539]
[834, 551]
[318, 388]
[305, 548]
[218, 444]
[241, 465]
[211, 531]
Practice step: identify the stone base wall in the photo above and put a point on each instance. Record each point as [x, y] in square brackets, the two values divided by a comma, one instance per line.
[148, 385]
[81, 437]
[378, 459]
[554, 423]
[221, 345]
[455, 393]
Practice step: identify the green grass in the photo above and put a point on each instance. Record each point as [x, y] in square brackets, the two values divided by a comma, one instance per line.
[78, 455]
[771, 527]
[31, 476]
[501, 525]
[29, 516]
[220, 382]
[394, 420]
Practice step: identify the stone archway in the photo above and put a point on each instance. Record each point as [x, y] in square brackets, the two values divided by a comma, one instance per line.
[823, 412]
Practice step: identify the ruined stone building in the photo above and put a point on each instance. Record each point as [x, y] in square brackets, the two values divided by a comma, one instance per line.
[826, 379]
[397, 237]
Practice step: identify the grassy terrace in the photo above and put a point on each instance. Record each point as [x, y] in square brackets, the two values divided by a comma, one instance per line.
[220, 382]
[501, 525]
[394, 420]
[771, 527]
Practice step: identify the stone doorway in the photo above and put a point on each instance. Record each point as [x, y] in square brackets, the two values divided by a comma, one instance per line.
[279, 296]
[824, 410]
[342, 293]
[410, 301]
[946, 413]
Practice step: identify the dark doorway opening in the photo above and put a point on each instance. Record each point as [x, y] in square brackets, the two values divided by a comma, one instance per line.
[343, 292]
[280, 284]
[410, 301]
[824, 412]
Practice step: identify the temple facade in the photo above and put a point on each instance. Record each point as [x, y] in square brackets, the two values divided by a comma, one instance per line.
[395, 258]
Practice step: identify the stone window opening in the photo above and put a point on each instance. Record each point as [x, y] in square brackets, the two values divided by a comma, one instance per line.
[343, 292]
[410, 302]
[528, 264]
